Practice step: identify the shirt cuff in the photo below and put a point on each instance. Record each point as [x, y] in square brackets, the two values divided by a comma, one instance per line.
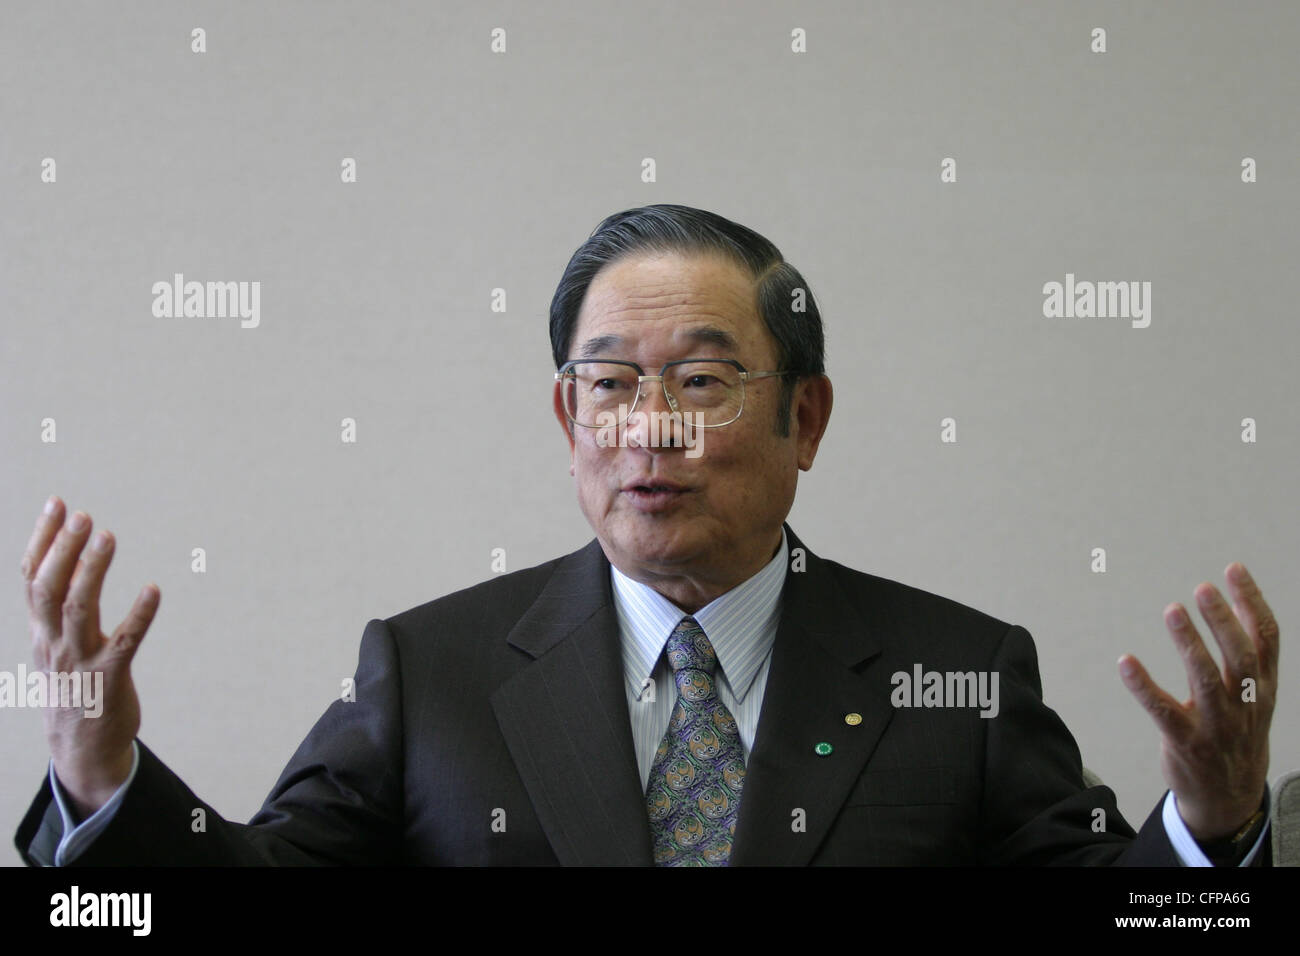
[1185, 846]
[77, 838]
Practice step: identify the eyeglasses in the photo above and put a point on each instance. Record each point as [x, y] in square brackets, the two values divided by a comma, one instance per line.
[598, 393]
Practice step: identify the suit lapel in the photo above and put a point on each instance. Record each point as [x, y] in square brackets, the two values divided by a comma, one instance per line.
[823, 652]
[565, 720]
[564, 717]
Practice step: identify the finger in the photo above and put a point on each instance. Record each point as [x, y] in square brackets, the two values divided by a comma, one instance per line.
[1239, 657]
[1203, 675]
[47, 526]
[1257, 617]
[50, 586]
[1171, 718]
[128, 635]
[81, 607]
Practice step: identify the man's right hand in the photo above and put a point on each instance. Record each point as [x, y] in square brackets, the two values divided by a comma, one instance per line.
[92, 755]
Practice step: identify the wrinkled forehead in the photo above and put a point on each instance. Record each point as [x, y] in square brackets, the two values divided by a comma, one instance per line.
[672, 302]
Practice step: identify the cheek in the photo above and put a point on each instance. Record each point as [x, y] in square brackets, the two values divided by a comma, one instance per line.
[593, 467]
[763, 478]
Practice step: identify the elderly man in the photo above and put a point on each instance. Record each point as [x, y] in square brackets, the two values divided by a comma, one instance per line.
[694, 686]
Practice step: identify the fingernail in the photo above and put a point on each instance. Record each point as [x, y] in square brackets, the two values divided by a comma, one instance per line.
[51, 504]
[1176, 617]
[1126, 668]
[77, 522]
[1240, 575]
[101, 541]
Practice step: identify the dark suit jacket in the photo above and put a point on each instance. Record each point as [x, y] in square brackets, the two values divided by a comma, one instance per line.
[491, 727]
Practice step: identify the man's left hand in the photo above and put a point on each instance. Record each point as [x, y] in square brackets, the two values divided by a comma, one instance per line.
[1215, 748]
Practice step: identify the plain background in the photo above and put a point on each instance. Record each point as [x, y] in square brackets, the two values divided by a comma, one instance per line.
[479, 171]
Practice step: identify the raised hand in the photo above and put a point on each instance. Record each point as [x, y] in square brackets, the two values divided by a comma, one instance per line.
[91, 754]
[1215, 749]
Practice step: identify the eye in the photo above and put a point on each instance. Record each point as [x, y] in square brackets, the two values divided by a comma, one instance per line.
[702, 380]
[609, 384]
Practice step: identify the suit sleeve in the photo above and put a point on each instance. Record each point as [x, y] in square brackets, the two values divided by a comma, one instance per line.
[1037, 808]
[339, 800]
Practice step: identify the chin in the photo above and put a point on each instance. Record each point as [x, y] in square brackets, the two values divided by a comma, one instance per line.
[668, 546]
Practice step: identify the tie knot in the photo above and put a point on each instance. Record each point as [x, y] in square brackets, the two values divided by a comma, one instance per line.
[687, 647]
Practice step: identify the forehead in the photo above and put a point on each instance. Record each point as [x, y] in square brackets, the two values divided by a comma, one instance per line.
[668, 300]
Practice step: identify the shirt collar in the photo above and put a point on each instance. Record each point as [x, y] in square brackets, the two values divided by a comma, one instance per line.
[741, 624]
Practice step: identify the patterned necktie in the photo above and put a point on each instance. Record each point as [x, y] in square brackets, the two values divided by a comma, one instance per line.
[693, 795]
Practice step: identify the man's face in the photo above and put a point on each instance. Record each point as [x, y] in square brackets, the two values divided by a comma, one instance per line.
[723, 524]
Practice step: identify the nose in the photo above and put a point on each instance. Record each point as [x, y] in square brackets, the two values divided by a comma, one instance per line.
[652, 423]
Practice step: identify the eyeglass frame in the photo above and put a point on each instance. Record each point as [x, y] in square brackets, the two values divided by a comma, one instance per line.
[641, 378]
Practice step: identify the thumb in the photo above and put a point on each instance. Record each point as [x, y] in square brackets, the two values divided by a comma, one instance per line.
[126, 639]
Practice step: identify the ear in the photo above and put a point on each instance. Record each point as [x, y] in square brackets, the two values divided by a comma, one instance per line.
[557, 405]
[812, 402]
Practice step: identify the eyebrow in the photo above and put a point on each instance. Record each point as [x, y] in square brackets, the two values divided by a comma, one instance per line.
[712, 335]
[601, 343]
[705, 335]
